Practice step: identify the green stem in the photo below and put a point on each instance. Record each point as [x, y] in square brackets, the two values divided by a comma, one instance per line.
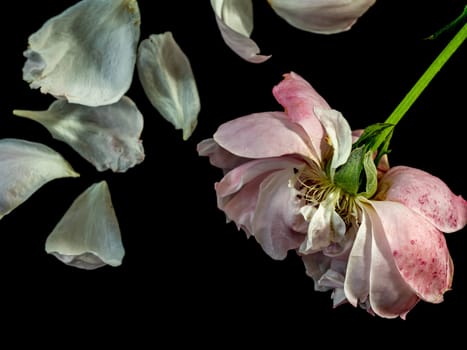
[421, 84]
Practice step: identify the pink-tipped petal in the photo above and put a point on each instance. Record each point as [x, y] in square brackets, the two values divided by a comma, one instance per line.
[418, 249]
[299, 99]
[263, 135]
[426, 195]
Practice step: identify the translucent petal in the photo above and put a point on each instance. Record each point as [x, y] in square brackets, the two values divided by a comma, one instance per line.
[106, 136]
[24, 167]
[87, 53]
[88, 235]
[235, 21]
[168, 81]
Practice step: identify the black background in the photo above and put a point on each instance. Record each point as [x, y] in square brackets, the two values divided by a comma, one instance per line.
[187, 275]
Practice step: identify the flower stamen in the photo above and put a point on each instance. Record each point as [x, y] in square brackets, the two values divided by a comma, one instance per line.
[315, 187]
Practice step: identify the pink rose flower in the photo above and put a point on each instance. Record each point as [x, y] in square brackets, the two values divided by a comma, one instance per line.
[384, 251]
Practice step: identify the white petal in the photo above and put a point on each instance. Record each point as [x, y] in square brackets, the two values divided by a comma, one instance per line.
[88, 235]
[321, 16]
[106, 136]
[235, 21]
[87, 53]
[168, 81]
[340, 136]
[357, 281]
[24, 167]
[326, 226]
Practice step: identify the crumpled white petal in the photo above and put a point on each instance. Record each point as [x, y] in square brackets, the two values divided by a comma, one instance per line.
[87, 53]
[168, 81]
[106, 136]
[88, 235]
[321, 16]
[325, 226]
[235, 21]
[24, 167]
[339, 134]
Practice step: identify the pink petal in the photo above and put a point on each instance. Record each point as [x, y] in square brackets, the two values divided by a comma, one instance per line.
[263, 135]
[218, 156]
[390, 295]
[426, 195]
[299, 99]
[277, 215]
[234, 180]
[240, 207]
[256, 196]
[418, 249]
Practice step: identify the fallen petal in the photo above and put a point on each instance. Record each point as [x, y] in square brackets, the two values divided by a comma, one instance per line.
[24, 167]
[168, 81]
[106, 136]
[87, 53]
[235, 21]
[318, 16]
[88, 235]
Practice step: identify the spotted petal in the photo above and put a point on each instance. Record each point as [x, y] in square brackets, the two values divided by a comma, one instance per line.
[106, 136]
[88, 235]
[418, 249]
[87, 53]
[425, 194]
[25, 167]
[168, 81]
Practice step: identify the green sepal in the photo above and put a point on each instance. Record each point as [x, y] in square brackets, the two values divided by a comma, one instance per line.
[348, 176]
[371, 175]
[371, 134]
[376, 138]
[457, 22]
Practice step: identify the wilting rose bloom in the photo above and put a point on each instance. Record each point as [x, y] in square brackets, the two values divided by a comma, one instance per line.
[384, 251]
[235, 20]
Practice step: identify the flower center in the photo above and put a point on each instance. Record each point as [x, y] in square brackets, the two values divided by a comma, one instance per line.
[315, 187]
